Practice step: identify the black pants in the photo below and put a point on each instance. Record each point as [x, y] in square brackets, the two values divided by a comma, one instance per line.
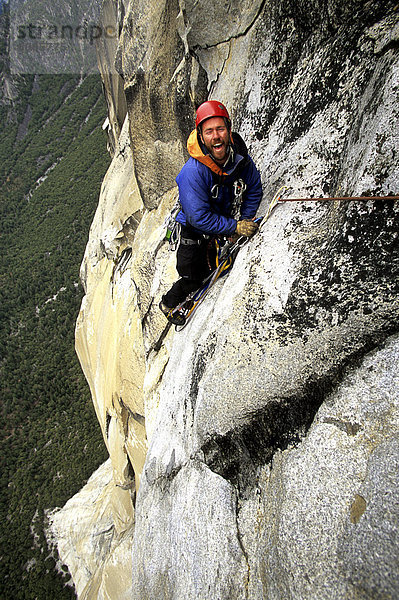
[193, 266]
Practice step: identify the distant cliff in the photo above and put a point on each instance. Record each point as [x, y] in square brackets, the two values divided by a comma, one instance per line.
[254, 456]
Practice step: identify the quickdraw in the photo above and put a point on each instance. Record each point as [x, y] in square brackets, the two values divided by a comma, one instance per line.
[239, 187]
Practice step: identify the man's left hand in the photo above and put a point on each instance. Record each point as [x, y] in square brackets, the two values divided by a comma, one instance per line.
[246, 228]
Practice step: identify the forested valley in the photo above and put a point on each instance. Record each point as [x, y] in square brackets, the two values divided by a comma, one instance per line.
[53, 158]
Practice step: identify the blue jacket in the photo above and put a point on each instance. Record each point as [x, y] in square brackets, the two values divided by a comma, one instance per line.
[198, 176]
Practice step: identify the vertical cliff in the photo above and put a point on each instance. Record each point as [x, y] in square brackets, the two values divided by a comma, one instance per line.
[258, 448]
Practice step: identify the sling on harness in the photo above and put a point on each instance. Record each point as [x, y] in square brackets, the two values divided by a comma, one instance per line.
[172, 234]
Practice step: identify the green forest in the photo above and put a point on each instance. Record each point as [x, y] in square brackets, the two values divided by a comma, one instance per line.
[52, 160]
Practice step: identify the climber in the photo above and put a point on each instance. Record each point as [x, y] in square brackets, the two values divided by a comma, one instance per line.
[218, 166]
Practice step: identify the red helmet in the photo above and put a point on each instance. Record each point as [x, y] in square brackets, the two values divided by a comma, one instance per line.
[209, 109]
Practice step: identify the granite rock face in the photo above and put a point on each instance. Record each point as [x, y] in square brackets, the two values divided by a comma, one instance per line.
[317, 521]
[89, 534]
[259, 446]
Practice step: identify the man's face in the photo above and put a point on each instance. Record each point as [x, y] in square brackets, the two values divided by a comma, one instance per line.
[215, 136]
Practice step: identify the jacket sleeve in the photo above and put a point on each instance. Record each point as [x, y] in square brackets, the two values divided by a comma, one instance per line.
[253, 195]
[195, 183]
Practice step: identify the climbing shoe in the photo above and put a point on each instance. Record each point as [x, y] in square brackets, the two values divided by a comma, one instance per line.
[173, 317]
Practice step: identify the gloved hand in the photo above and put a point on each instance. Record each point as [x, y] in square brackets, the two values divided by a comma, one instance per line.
[246, 228]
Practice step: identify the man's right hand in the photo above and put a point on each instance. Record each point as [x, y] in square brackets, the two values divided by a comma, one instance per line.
[246, 228]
